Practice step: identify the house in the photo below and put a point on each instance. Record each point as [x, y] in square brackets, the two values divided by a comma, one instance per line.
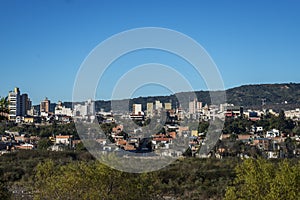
[225, 136]
[117, 129]
[25, 146]
[55, 147]
[194, 133]
[63, 139]
[272, 154]
[28, 119]
[272, 133]
[234, 111]
[20, 139]
[101, 141]
[262, 143]
[172, 134]
[245, 137]
[257, 129]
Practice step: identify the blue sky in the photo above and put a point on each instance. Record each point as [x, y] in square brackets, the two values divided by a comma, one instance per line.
[43, 43]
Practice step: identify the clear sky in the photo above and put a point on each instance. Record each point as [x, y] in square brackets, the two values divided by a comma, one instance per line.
[43, 43]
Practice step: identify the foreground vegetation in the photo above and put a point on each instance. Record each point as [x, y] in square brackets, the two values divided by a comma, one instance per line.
[76, 175]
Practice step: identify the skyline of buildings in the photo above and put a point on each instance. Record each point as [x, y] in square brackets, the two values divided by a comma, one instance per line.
[21, 108]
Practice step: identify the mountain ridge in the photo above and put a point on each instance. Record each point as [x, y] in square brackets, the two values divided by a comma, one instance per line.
[275, 96]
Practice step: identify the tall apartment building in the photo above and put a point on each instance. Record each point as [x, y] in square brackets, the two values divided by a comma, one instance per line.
[158, 105]
[149, 109]
[168, 106]
[18, 105]
[195, 106]
[137, 109]
[25, 104]
[45, 105]
[91, 109]
[87, 109]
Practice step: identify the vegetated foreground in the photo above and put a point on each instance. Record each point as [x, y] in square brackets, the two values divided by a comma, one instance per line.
[77, 175]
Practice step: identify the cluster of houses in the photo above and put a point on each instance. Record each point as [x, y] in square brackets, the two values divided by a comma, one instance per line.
[12, 141]
[163, 142]
[271, 143]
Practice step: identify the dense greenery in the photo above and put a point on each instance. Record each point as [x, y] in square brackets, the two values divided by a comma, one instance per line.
[191, 179]
[76, 175]
[265, 180]
[79, 176]
[3, 107]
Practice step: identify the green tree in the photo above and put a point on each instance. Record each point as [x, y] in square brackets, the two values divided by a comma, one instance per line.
[44, 143]
[5, 194]
[286, 182]
[263, 180]
[81, 180]
[3, 107]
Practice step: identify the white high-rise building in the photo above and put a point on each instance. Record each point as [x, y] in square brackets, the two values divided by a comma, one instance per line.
[18, 104]
[137, 109]
[88, 109]
[195, 106]
[80, 110]
[14, 104]
[158, 105]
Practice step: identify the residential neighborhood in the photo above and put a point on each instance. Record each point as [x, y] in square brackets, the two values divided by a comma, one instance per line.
[180, 132]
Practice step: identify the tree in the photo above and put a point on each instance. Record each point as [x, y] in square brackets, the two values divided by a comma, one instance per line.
[3, 107]
[263, 180]
[81, 180]
[4, 191]
[44, 143]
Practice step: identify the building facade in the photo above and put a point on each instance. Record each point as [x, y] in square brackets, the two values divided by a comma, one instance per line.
[18, 105]
[45, 106]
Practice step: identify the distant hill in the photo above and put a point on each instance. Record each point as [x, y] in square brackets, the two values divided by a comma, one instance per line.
[277, 97]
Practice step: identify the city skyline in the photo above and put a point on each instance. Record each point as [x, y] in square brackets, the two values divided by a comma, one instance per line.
[44, 43]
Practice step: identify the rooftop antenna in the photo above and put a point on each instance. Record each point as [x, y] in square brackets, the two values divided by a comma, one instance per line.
[263, 102]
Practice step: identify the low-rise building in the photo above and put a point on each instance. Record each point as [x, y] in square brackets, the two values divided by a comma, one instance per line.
[63, 139]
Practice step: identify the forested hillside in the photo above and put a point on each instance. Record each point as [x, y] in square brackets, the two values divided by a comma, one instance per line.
[275, 96]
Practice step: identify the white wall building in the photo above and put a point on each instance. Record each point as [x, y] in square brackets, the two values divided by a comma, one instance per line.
[293, 114]
[18, 104]
[195, 106]
[158, 105]
[87, 109]
[137, 109]
[62, 110]
[63, 139]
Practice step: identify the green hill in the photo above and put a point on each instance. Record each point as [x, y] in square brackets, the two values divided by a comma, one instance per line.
[277, 96]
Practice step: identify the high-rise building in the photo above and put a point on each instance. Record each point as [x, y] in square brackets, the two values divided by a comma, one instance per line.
[199, 106]
[137, 109]
[14, 104]
[90, 104]
[168, 106]
[87, 109]
[45, 105]
[25, 104]
[149, 109]
[19, 104]
[158, 105]
[195, 106]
